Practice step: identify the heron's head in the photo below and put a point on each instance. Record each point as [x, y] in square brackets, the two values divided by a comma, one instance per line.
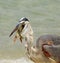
[23, 19]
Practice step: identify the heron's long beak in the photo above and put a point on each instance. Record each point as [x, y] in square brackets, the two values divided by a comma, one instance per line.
[14, 30]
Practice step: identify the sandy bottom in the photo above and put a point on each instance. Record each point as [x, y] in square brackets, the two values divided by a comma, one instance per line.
[21, 60]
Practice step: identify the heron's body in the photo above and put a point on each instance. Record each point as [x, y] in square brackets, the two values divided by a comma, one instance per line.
[47, 46]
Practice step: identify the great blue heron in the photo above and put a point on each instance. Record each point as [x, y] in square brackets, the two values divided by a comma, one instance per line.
[47, 48]
[23, 31]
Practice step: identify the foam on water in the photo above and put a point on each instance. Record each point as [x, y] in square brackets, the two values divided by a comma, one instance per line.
[21, 60]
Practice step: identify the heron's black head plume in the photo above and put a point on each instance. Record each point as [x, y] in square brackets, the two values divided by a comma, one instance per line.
[23, 19]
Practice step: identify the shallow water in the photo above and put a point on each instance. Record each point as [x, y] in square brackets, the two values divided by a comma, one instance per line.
[44, 16]
[21, 60]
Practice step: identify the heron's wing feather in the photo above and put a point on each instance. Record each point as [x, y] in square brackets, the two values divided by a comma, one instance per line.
[14, 30]
[53, 50]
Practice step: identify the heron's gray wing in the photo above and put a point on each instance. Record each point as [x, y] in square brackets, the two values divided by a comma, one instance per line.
[14, 30]
[54, 51]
